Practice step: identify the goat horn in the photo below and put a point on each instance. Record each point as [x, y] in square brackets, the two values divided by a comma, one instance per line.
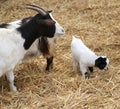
[36, 8]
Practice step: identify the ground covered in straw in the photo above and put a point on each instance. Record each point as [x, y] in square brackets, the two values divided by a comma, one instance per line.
[97, 23]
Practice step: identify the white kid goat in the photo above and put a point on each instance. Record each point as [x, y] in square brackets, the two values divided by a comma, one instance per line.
[86, 58]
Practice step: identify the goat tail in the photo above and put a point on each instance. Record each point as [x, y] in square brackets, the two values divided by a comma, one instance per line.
[73, 37]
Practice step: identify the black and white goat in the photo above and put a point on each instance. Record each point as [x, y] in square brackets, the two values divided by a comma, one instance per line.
[43, 45]
[85, 58]
[14, 43]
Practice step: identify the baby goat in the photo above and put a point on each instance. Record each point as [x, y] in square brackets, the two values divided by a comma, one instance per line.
[43, 45]
[14, 43]
[84, 57]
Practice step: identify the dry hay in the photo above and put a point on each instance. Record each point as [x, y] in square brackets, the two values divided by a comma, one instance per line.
[98, 25]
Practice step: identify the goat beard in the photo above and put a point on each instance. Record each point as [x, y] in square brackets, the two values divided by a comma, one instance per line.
[44, 46]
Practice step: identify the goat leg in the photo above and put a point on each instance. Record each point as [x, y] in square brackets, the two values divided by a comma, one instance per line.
[90, 69]
[49, 63]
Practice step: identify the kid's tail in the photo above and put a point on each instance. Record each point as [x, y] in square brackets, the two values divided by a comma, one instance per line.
[73, 37]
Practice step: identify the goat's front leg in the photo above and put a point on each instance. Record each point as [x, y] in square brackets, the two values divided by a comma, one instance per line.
[84, 71]
[90, 69]
[49, 63]
[10, 78]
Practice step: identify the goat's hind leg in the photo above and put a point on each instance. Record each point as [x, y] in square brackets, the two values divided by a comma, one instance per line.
[75, 65]
[10, 78]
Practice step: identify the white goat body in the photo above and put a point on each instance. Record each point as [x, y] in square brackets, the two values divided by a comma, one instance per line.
[33, 50]
[82, 53]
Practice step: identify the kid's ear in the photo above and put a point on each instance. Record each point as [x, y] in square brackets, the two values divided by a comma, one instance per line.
[98, 61]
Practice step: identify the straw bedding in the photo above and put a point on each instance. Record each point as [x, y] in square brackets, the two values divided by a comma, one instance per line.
[97, 23]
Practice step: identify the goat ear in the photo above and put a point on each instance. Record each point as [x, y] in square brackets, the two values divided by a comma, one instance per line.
[98, 62]
[50, 11]
[47, 22]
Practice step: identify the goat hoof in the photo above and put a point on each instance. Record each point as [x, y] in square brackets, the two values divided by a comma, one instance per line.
[13, 89]
[47, 71]
[86, 77]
